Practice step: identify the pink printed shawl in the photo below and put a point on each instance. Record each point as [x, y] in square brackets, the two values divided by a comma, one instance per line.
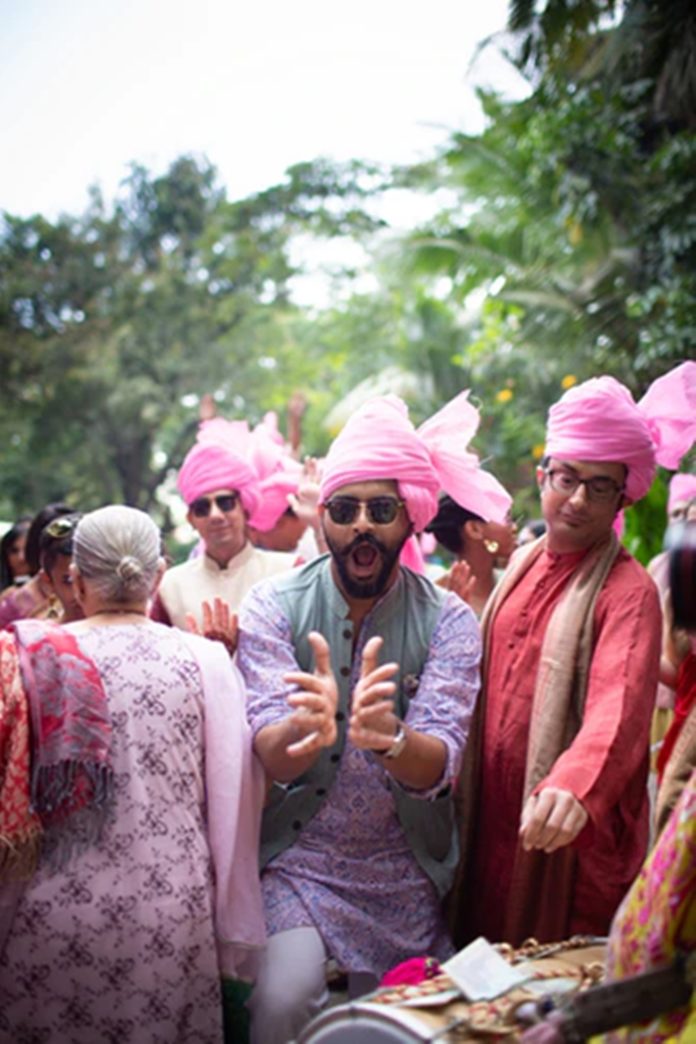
[72, 786]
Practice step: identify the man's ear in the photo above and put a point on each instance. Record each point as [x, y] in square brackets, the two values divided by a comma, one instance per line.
[624, 502]
[540, 476]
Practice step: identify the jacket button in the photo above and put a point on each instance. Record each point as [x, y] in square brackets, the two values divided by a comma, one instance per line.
[320, 791]
[347, 634]
[345, 671]
[297, 825]
[340, 716]
[335, 758]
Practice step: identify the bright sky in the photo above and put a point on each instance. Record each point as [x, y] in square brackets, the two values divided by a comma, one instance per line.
[87, 86]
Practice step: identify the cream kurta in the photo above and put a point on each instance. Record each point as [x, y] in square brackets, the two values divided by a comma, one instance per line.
[184, 587]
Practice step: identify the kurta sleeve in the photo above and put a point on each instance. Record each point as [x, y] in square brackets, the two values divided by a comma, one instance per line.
[613, 739]
[265, 653]
[449, 683]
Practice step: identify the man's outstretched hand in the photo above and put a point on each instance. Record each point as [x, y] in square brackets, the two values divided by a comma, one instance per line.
[315, 703]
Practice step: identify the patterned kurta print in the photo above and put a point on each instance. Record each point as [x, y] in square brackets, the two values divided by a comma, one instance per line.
[119, 946]
[351, 873]
[657, 919]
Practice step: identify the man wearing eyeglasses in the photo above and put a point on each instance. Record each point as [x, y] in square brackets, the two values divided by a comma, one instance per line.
[221, 490]
[361, 677]
[556, 804]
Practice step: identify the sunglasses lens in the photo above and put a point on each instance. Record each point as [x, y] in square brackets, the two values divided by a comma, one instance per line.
[227, 501]
[382, 510]
[342, 510]
[200, 508]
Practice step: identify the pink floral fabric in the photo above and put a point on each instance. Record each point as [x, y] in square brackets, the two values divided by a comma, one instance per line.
[119, 945]
[658, 916]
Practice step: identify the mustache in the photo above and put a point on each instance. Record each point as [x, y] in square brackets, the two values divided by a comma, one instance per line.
[360, 541]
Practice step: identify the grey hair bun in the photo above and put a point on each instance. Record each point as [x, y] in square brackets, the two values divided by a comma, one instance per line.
[117, 549]
[129, 570]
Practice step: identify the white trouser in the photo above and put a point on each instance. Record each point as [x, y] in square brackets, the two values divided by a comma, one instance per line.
[290, 987]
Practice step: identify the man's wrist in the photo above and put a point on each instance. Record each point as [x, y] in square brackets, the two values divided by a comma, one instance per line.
[397, 744]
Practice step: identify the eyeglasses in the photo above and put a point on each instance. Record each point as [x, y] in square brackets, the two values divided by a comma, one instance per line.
[202, 506]
[60, 527]
[380, 510]
[599, 487]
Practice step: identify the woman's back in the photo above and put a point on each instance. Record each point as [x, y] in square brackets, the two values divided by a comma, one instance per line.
[120, 944]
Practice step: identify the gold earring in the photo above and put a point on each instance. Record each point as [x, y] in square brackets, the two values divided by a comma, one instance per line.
[491, 546]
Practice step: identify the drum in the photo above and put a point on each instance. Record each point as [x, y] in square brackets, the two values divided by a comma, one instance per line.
[378, 1024]
[434, 1011]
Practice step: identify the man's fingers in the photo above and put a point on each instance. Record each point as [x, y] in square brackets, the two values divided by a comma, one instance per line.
[368, 695]
[304, 681]
[370, 654]
[527, 813]
[367, 714]
[207, 614]
[191, 624]
[310, 743]
[221, 612]
[316, 703]
[568, 830]
[551, 819]
[322, 653]
[537, 809]
[233, 627]
[370, 739]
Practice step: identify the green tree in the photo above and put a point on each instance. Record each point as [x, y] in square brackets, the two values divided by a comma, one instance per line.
[114, 324]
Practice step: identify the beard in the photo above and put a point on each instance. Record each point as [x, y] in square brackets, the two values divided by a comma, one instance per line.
[364, 588]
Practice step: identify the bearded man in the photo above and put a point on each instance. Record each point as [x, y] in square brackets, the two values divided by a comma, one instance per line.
[361, 677]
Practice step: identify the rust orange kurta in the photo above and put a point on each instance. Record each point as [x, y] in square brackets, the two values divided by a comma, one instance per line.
[605, 765]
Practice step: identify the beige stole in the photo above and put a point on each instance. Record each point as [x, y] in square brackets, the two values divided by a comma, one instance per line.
[541, 884]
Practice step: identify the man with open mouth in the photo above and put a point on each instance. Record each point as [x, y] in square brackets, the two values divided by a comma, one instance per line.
[361, 677]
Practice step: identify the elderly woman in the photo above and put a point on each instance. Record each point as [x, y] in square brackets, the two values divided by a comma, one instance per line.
[128, 777]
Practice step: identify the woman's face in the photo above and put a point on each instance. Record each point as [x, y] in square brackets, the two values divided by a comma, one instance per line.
[15, 557]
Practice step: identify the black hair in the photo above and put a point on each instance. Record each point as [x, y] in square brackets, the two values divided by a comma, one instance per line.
[38, 523]
[682, 574]
[447, 524]
[536, 526]
[8, 541]
[52, 545]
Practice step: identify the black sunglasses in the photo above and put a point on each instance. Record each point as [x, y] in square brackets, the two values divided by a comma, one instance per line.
[380, 510]
[201, 506]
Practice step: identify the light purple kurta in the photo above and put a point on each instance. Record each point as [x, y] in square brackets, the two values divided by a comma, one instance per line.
[120, 945]
[351, 873]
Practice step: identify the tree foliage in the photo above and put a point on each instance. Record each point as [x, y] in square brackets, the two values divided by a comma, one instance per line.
[573, 213]
[115, 323]
[566, 248]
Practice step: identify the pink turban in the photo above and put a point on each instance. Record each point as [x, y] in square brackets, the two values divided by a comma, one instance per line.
[278, 472]
[447, 434]
[599, 421]
[273, 497]
[682, 489]
[379, 442]
[218, 461]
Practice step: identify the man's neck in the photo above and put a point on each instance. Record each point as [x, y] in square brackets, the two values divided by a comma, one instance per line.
[223, 560]
[359, 608]
[562, 547]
